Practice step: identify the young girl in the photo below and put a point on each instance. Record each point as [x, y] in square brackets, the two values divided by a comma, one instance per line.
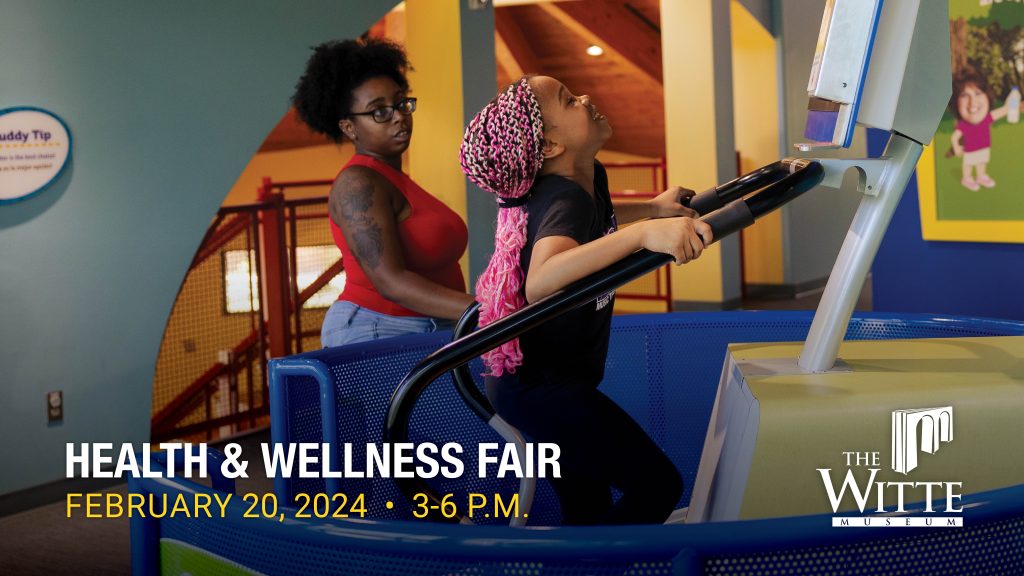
[534, 147]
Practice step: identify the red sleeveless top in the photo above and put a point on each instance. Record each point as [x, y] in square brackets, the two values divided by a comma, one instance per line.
[432, 238]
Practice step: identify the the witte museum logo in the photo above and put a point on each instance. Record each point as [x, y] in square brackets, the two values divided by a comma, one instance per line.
[913, 431]
[935, 426]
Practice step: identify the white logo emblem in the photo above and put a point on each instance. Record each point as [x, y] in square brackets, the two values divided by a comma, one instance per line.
[922, 429]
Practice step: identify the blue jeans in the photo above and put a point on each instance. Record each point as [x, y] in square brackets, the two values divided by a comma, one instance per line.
[348, 323]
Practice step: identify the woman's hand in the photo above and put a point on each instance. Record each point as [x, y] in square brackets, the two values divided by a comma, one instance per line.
[670, 203]
[682, 238]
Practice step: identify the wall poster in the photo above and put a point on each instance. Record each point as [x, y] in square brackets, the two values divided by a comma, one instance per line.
[35, 146]
[971, 179]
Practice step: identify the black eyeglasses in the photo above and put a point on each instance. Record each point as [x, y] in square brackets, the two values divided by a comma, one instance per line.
[386, 113]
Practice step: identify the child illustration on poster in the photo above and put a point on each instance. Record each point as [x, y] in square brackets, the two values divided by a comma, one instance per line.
[979, 164]
[972, 136]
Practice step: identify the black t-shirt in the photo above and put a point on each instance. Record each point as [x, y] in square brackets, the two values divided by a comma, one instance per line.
[571, 349]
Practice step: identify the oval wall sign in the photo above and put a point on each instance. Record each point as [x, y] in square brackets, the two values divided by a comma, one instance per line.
[35, 146]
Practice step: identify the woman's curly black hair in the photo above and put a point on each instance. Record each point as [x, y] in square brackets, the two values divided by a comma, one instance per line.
[323, 95]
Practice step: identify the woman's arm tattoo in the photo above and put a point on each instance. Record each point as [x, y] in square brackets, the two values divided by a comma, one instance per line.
[350, 209]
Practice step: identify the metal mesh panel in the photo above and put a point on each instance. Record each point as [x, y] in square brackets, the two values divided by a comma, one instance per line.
[644, 181]
[315, 251]
[254, 380]
[641, 179]
[200, 328]
[219, 307]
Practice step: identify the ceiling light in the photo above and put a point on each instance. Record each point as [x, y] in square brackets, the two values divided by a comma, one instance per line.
[595, 50]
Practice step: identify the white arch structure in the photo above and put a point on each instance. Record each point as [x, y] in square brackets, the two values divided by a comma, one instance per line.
[936, 426]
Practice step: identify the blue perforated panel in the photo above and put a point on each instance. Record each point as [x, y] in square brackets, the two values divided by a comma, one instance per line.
[663, 369]
[364, 377]
[440, 416]
[996, 548]
[991, 543]
[303, 426]
[271, 551]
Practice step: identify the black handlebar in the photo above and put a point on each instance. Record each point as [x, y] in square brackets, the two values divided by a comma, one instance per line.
[715, 198]
[468, 390]
[786, 179]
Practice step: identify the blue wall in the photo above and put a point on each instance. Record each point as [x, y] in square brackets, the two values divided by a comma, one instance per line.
[912, 275]
[166, 102]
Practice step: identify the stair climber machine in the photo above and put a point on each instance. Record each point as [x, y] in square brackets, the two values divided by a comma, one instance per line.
[903, 90]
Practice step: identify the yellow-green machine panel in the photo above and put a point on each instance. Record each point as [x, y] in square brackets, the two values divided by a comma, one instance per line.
[779, 439]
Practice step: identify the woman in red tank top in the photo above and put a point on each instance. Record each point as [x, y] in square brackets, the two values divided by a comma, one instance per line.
[400, 245]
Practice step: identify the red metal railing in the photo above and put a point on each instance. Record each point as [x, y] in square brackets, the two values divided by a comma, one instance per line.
[270, 230]
[296, 296]
[642, 180]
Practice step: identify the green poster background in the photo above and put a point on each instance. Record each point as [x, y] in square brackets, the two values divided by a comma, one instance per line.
[990, 40]
[181, 559]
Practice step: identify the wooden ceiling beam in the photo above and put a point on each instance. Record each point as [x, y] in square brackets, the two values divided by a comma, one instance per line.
[506, 59]
[616, 29]
[291, 132]
[509, 39]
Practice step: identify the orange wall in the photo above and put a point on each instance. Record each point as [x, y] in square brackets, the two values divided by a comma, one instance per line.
[312, 163]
